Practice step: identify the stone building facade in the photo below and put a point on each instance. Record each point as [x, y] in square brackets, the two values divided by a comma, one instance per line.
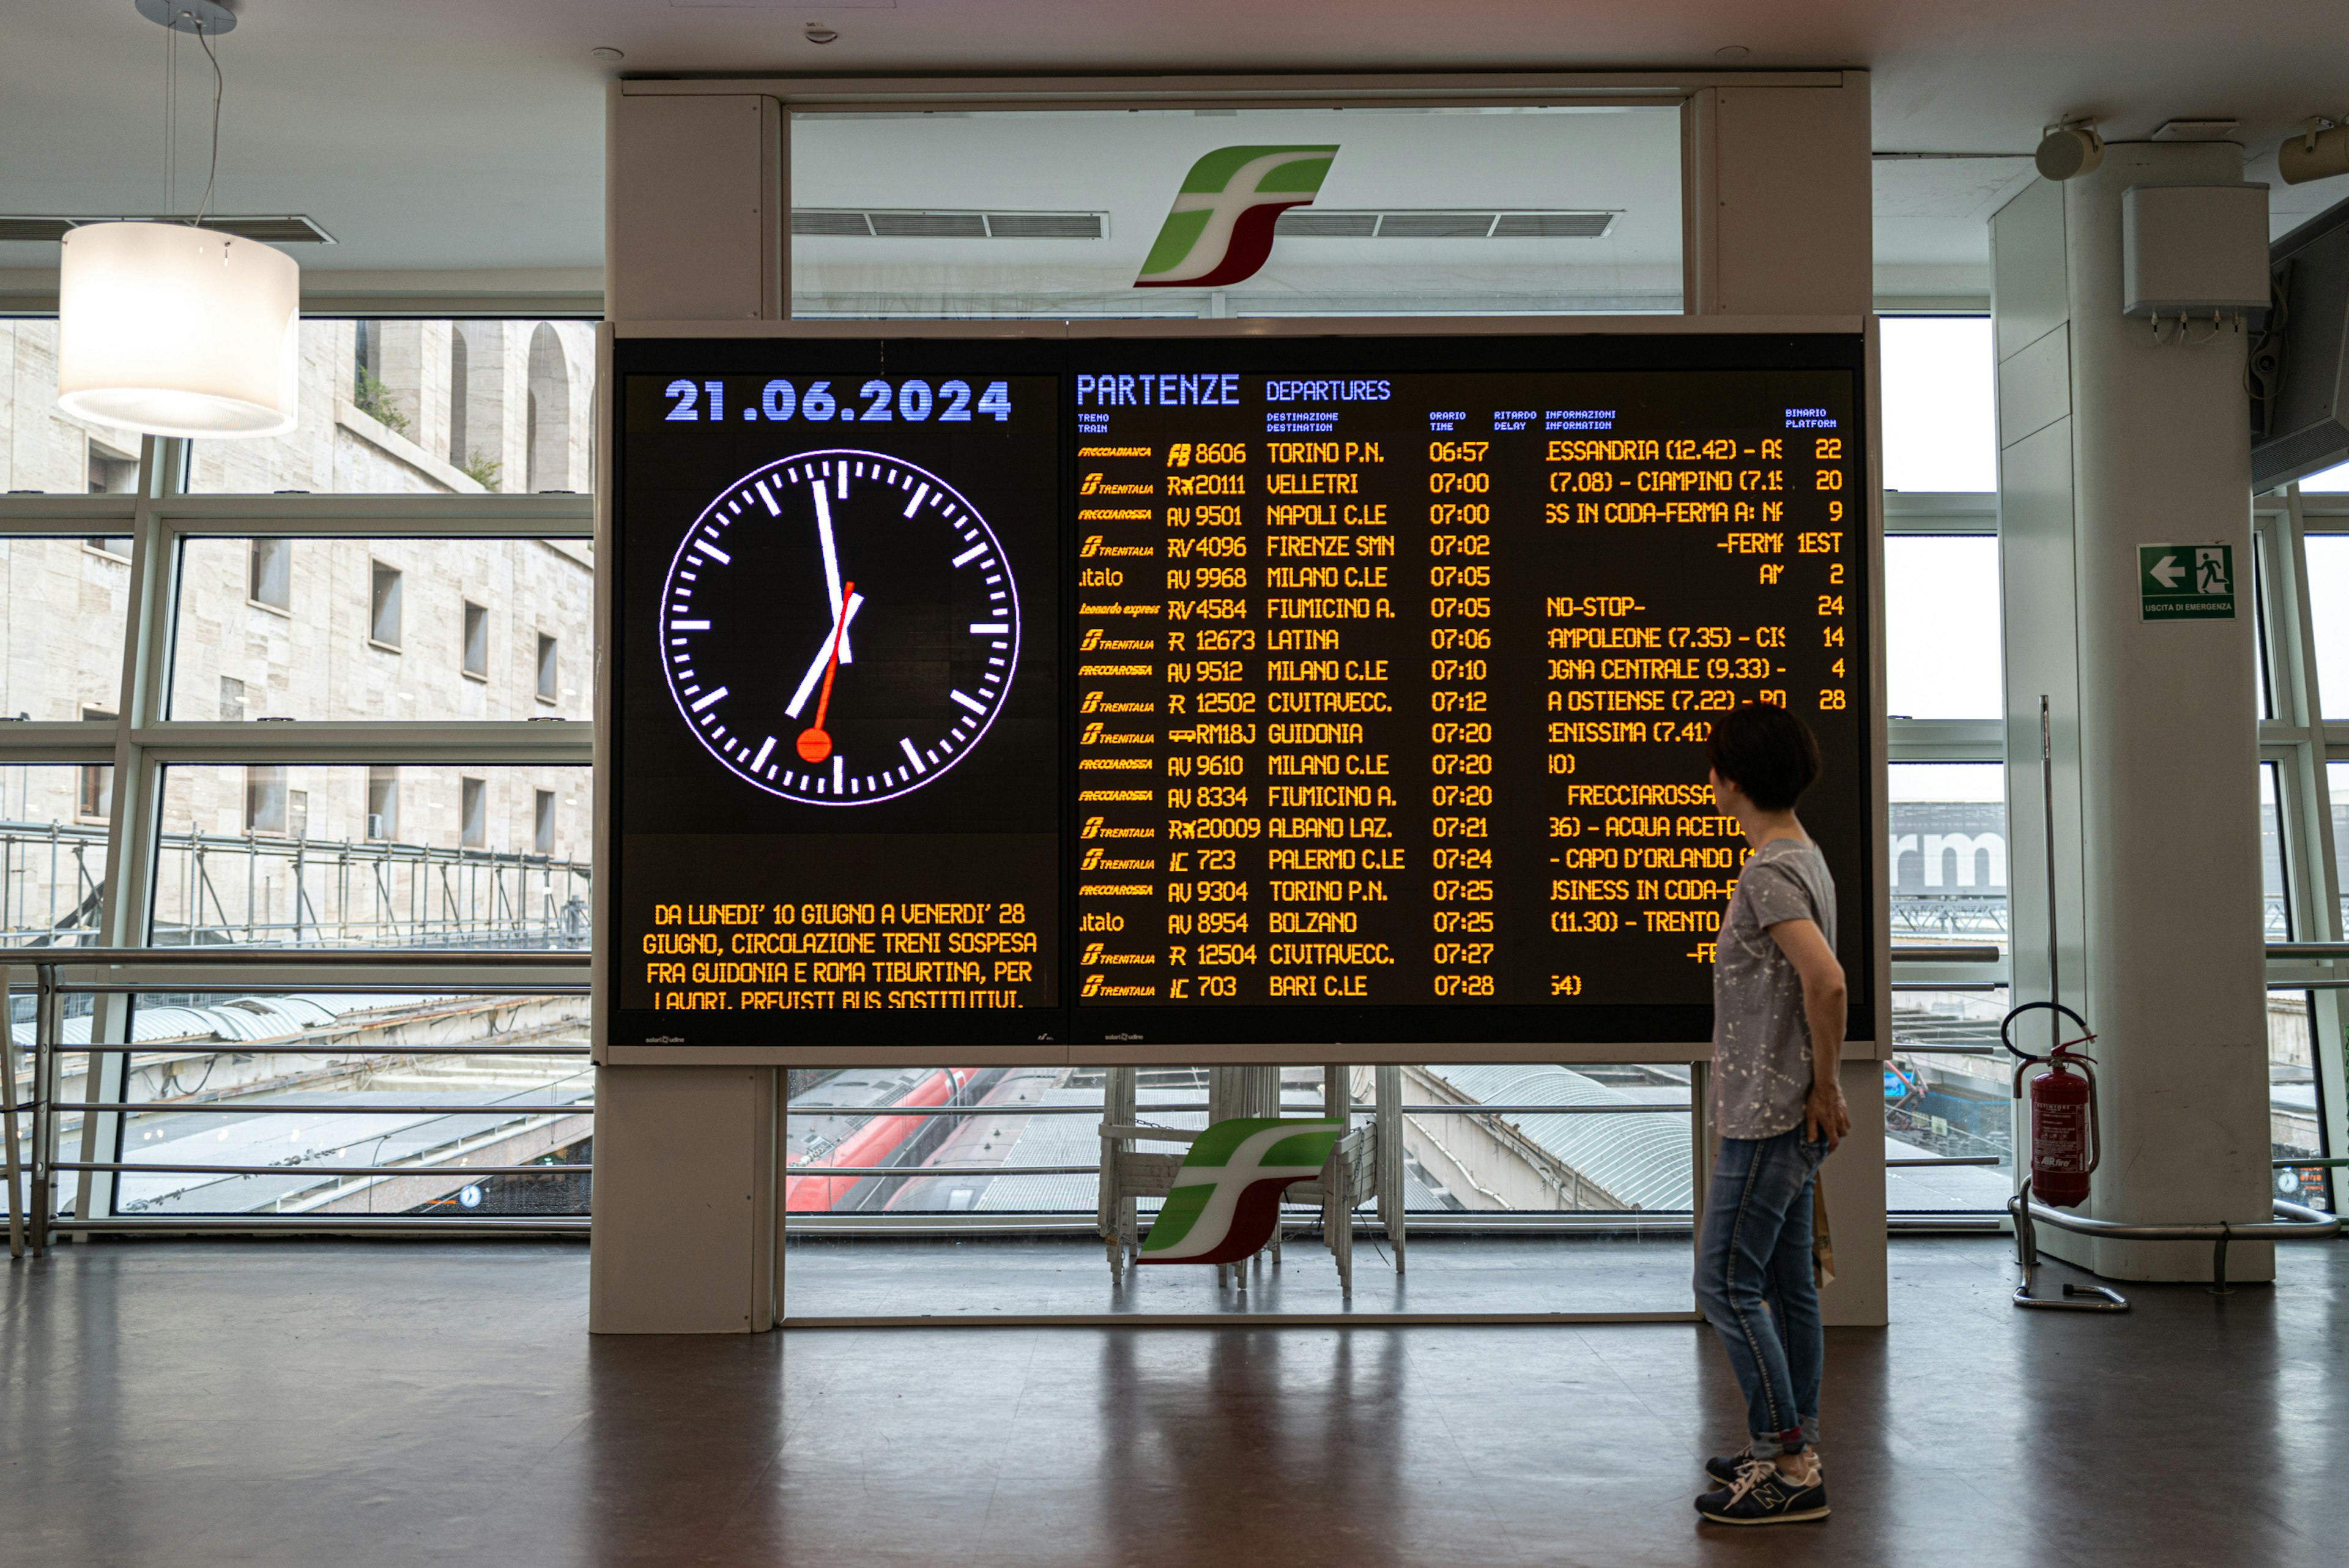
[268, 629]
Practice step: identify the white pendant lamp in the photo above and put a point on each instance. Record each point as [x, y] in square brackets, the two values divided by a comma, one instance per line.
[173, 328]
[178, 330]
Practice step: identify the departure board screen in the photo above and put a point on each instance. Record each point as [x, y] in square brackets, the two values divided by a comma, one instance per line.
[1335, 690]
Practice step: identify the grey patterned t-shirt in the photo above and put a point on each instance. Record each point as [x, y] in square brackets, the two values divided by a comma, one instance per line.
[1760, 1041]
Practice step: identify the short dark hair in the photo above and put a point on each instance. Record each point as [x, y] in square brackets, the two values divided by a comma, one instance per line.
[1767, 753]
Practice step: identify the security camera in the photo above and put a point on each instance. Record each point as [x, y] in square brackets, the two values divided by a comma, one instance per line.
[2069, 151]
[2315, 153]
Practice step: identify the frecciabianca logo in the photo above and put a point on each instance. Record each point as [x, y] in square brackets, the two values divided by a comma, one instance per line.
[1220, 229]
[1226, 1197]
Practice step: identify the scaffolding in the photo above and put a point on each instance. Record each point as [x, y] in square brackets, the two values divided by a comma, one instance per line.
[263, 889]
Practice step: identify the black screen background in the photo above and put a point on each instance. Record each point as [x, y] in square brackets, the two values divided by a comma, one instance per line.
[655, 474]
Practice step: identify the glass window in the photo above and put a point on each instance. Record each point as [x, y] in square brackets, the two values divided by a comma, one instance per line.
[270, 576]
[337, 656]
[2295, 1121]
[354, 855]
[2336, 787]
[383, 803]
[1940, 404]
[2328, 618]
[1513, 1176]
[232, 697]
[2276, 920]
[63, 608]
[46, 449]
[281, 1076]
[477, 642]
[1948, 853]
[97, 796]
[52, 856]
[264, 800]
[543, 833]
[383, 613]
[2332, 481]
[1947, 1096]
[96, 802]
[408, 407]
[2260, 626]
[1942, 654]
[460, 444]
[1520, 211]
[473, 813]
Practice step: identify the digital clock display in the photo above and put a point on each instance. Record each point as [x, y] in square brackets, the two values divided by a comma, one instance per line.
[1200, 691]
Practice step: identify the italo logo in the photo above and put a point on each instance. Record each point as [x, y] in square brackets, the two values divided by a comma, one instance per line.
[1226, 1197]
[1220, 229]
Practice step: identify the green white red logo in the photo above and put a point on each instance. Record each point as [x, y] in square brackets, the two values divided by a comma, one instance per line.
[1226, 1197]
[1220, 230]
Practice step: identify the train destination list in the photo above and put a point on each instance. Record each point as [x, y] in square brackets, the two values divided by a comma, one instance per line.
[1391, 690]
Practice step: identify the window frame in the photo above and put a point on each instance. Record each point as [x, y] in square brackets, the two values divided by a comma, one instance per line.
[143, 741]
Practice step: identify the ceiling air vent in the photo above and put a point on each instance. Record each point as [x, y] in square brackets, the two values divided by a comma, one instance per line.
[1303, 221]
[276, 231]
[930, 226]
[1307, 222]
[902, 224]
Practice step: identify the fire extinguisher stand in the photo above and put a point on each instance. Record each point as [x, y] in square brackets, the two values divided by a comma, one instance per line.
[2062, 1064]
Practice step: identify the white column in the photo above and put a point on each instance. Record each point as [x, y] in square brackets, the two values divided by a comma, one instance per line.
[2110, 439]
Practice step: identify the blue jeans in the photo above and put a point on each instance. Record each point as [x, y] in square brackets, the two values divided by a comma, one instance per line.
[1753, 1281]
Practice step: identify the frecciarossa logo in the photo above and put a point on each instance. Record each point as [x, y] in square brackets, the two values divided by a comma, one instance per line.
[1220, 229]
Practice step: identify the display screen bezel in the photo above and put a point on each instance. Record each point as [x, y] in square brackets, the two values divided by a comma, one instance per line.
[1434, 1030]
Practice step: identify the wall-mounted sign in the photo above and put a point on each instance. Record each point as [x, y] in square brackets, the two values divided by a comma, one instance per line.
[2186, 582]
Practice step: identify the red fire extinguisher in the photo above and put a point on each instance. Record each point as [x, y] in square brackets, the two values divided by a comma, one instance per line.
[2066, 1139]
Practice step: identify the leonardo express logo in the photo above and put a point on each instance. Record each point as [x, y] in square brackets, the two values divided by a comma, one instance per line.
[1227, 1196]
[1220, 229]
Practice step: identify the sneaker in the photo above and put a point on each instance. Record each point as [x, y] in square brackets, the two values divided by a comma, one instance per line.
[1762, 1494]
[1722, 1468]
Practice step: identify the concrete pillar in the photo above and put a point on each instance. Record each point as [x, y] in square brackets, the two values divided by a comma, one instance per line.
[2109, 440]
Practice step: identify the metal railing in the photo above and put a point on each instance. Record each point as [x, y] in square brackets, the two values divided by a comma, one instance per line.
[2300, 1223]
[31, 1226]
[254, 887]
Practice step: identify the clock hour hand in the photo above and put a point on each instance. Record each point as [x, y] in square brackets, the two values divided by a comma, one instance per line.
[831, 570]
[823, 660]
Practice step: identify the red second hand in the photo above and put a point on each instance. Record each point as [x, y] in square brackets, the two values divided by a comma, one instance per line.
[813, 744]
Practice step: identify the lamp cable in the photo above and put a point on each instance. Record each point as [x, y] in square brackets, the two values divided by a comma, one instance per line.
[203, 36]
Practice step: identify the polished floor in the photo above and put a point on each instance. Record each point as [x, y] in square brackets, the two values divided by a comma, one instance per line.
[190, 1404]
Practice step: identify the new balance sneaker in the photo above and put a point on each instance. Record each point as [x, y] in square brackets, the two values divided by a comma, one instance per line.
[1722, 1468]
[1762, 1494]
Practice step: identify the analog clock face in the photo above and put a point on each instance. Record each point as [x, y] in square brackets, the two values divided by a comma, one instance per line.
[840, 627]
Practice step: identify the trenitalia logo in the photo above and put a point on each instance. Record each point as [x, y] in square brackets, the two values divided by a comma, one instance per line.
[1220, 230]
[1226, 1197]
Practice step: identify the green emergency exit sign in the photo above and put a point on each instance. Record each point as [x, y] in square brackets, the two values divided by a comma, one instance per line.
[2186, 582]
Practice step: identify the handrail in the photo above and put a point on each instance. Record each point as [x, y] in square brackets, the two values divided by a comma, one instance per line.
[51, 965]
[258, 956]
[2300, 1223]
[145, 1168]
[1956, 953]
[2308, 949]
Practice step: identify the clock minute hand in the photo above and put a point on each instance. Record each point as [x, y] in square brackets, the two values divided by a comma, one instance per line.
[852, 602]
[831, 567]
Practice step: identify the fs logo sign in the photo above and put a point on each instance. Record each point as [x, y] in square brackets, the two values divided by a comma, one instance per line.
[1227, 1196]
[1220, 230]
